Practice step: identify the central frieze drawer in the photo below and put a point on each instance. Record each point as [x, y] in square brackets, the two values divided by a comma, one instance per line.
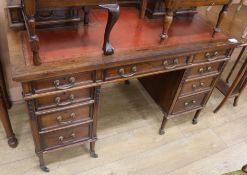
[62, 82]
[145, 68]
[65, 118]
[185, 104]
[65, 137]
[63, 99]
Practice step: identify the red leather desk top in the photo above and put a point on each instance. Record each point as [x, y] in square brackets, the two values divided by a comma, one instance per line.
[130, 33]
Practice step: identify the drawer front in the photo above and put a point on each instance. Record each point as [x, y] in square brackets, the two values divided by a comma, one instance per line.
[210, 56]
[144, 68]
[189, 103]
[203, 70]
[197, 85]
[197, 3]
[63, 99]
[65, 136]
[62, 82]
[64, 118]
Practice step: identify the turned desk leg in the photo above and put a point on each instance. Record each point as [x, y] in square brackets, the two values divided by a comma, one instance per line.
[113, 15]
[30, 23]
[166, 24]
[143, 8]
[222, 16]
[162, 127]
[4, 116]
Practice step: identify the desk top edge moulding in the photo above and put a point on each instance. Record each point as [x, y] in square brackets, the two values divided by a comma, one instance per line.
[172, 5]
[30, 7]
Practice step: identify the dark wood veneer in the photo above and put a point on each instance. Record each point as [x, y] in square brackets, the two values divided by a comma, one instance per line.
[166, 71]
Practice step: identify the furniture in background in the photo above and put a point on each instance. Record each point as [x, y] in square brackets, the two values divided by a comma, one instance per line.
[156, 9]
[172, 5]
[4, 116]
[244, 33]
[238, 85]
[62, 95]
[30, 8]
[240, 5]
[244, 168]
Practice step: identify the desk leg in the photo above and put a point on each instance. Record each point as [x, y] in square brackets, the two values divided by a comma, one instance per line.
[12, 141]
[166, 24]
[113, 15]
[95, 120]
[162, 127]
[222, 16]
[195, 121]
[30, 23]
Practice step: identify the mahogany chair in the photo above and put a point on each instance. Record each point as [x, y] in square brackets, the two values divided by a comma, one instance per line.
[30, 8]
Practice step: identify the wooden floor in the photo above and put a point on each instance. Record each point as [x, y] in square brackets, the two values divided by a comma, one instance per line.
[129, 142]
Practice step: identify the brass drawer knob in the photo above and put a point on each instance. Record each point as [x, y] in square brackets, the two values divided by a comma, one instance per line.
[201, 70]
[186, 104]
[175, 61]
[209, 68]
[194, 86]
[60, 138]
[194, 101]
[131, 74]
[208, 55]
[216, 53]
[202, 84]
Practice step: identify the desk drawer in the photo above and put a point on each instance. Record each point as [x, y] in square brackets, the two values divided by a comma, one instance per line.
[185, 104]
[197, 85]
[64, 118]
[63, 99]
[65, 137]
[144, 68]
[207, 69]
[62, 82]
[210, 56]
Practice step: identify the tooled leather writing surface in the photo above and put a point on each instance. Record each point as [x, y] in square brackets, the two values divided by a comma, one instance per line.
[129, 34]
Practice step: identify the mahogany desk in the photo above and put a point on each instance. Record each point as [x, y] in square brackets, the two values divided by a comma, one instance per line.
[62, 94]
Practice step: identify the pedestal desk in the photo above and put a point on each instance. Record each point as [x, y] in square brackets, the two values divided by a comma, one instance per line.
[62, 94]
